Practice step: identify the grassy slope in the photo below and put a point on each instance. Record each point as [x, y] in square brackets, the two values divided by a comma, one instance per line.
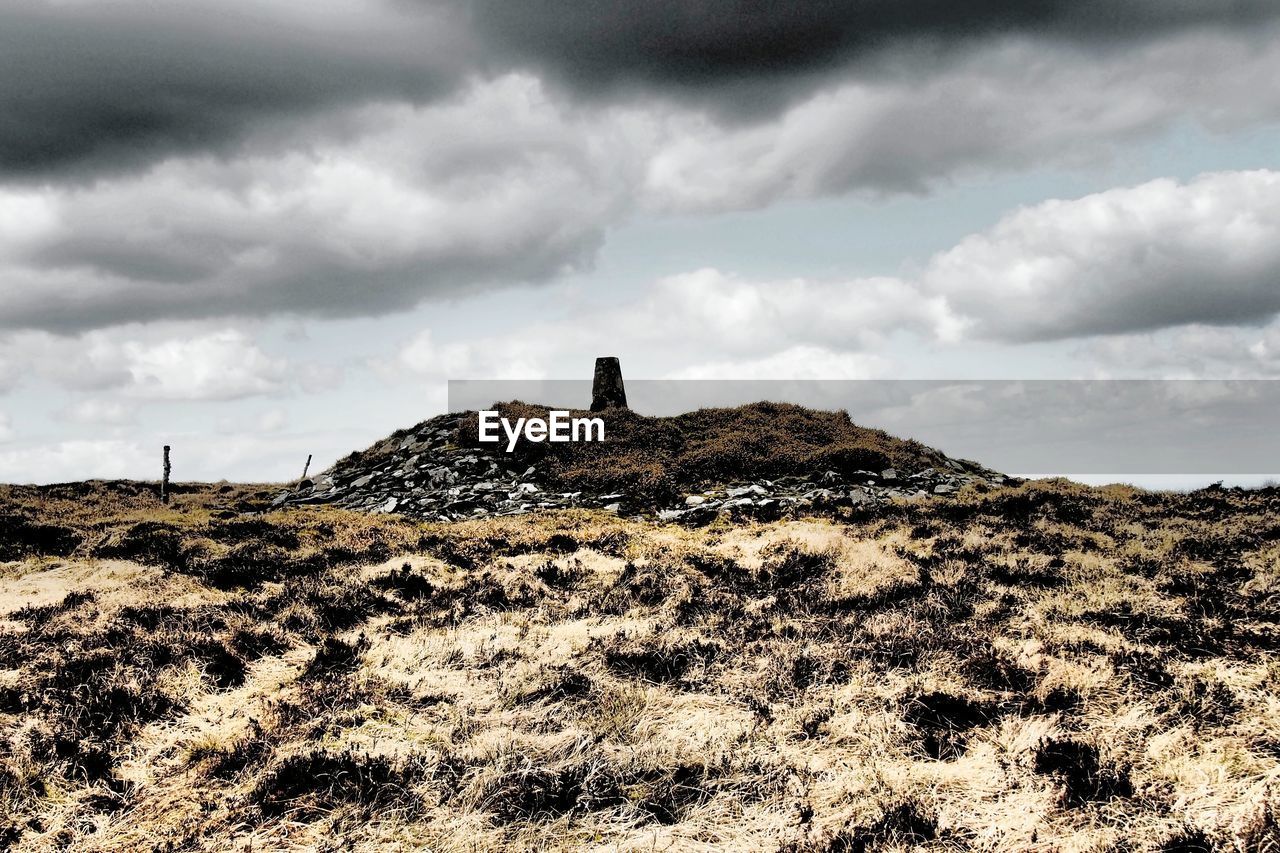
[1048, 667]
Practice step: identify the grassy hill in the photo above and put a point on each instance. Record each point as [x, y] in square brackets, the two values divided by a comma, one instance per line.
[1046, 667]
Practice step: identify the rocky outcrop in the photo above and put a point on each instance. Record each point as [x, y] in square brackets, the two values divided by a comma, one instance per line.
[424, 473]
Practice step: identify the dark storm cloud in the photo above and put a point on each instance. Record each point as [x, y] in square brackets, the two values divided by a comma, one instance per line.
[689, 44]
[95, 86]
[316, 282]
[92, 86]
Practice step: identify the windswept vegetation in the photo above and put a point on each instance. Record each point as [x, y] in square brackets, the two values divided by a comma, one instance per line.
[1046, 667]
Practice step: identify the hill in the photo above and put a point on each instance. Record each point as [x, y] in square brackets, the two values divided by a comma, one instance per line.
[761, 460]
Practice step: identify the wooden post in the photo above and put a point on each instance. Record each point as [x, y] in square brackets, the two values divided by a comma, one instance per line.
[607, 391]
[305, 469]
[164, 484]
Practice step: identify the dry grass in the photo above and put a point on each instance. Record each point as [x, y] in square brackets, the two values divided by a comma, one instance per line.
[1042, 668]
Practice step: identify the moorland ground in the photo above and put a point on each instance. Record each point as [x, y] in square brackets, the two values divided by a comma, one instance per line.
[1046, 667]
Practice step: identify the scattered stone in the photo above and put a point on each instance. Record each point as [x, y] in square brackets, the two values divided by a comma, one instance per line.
[743, 491]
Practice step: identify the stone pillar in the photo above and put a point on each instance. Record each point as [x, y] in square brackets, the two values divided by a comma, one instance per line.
[607, 391]
[164, 484]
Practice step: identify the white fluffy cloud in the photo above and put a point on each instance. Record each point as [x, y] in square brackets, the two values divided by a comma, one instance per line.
[379, 208]
[146, 365]
[1157, 255]
[220, 366]
[738, 315]
[712, 323]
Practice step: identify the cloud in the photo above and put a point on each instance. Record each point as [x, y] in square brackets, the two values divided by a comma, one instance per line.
[705, 323]
[273, 420]
[732, 314]
[9, 371]
[315, 378]
[283, 159]
[499, 186]
[1012, 105]
[801, 362]
[506, 357]
[99, 412]
[91, 86]
[221, 366]
[77, 459]
[737, 49]
[370, 207]
[269, 421]
[202, 456]
[703, 315]
[1190, 258]
[6, 428]
[1188, 352]
[146, 365]
[1156, 255]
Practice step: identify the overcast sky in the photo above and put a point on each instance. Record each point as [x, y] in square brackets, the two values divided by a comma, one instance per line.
[258, 229]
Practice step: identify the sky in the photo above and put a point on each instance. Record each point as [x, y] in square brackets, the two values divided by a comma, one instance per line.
[261, 229]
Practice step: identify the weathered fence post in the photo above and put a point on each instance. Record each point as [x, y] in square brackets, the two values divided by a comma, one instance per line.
[164, 483]
[305, 469]
[607, 391]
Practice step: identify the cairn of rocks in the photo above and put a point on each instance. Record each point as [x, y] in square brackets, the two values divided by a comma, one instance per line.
[425, 474]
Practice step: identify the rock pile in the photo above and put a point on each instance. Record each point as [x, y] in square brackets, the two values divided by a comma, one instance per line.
[423, 473]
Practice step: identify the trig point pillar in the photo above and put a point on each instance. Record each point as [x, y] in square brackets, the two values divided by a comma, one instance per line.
[164, 484]
[607, 391]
